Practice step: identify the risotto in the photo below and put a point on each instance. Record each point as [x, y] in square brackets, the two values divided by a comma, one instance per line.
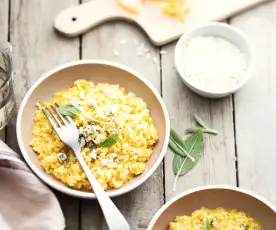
[219, 218]
[105, 110]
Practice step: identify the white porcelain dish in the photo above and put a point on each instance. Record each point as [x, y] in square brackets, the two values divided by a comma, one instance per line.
[227, 32]
[96, 71]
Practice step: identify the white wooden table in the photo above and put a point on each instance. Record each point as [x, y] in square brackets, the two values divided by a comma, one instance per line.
[243, 154]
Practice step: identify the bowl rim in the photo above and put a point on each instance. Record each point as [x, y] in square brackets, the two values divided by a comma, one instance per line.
[248, 72]
[207, 187]
[79, 193]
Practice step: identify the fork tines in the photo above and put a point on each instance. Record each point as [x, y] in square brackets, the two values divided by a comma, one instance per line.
[55, 118]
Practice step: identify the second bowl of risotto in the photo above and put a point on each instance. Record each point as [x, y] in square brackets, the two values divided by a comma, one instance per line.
[214, 207]
[106, 101]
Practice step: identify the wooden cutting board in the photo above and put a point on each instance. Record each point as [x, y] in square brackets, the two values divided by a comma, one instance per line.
[160, 27]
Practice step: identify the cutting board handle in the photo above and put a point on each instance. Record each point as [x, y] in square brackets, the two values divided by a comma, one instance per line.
[79, 19]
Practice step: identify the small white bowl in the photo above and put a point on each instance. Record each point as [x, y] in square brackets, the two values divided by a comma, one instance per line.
[227, 32]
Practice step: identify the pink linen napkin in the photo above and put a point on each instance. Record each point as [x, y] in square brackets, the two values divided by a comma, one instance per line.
[25, 202]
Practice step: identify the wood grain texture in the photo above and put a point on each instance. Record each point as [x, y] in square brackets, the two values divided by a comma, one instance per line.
[218, 163]
[139, 205]
[4, 28]
[4, 19]
[37, 49]
[255, 106]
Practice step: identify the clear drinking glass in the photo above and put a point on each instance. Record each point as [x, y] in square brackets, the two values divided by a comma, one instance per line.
[7, 102]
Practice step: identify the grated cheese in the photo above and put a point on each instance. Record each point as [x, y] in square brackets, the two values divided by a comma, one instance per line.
[124, 4]
[175, 8]
[212, 64]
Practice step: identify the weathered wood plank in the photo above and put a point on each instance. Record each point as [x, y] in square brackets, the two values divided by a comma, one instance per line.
[255, 106]
[4, 19]
[138, 206]
[218, 164]
[37, 48]
[4, 28]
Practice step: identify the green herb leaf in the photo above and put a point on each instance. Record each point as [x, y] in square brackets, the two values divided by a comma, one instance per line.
[210, 131]
[74, 102]
[175, 149]
[207, 225]
[194, 146]
[177, 145]
[68, 111]
[200, 121]
[109, 141]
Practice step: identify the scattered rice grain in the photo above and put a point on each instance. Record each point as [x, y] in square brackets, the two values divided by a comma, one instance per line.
[116, 53]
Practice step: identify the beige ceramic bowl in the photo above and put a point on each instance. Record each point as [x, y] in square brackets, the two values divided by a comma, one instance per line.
[212, 197]
[97, 71]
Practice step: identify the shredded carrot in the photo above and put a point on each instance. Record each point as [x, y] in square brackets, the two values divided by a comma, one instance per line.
[175, 8]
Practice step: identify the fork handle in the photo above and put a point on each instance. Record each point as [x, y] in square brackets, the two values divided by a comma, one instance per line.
[114, 218]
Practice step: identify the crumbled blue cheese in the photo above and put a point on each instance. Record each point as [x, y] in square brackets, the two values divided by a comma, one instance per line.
[88, 130]
[62, 157]
[81, 142]
[215, 223]
[94, 154]
[89, 144]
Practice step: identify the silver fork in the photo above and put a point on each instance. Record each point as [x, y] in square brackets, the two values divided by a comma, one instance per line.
[67, 131]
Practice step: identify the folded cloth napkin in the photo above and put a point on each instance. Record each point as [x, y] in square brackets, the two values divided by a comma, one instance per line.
[25, 202]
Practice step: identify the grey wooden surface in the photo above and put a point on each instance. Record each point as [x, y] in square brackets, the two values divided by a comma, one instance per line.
[241, 155]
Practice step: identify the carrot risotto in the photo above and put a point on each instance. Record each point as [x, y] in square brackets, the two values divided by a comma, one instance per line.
[116, 135]
[219, 218]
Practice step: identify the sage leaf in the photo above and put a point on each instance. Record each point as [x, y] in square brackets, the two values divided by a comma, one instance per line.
[109, 141]
[175, 149]
[177, 143]
[207, 225]
[70, 111]
[74, 102]
[210, 131]
[194, 146]
[200, 121]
